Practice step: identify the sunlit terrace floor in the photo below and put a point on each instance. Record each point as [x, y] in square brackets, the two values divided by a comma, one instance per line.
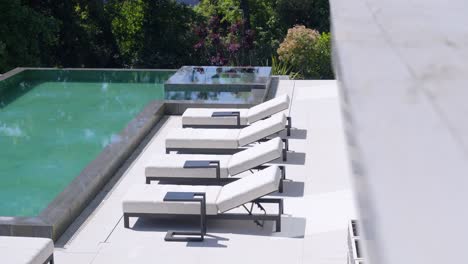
[318, 203]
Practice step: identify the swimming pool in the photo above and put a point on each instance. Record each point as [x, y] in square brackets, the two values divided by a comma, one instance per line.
[64, 134]
[55, 122]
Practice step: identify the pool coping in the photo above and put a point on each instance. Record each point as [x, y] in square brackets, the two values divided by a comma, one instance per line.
[54, 220]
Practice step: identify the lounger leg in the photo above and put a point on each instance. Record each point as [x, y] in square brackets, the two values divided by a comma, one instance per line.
[126, 221]
[148, 181]
[167, 151]
[283, 171]
[288, 125]
[280, 212]
[283, 178]
[51, 261]
[285, 148]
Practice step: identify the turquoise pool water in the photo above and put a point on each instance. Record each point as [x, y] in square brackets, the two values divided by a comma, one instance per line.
[53, 123]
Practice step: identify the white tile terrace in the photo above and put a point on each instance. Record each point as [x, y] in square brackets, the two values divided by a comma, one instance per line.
[318, 203]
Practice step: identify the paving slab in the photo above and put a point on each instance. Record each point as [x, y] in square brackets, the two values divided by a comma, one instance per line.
[318, 201]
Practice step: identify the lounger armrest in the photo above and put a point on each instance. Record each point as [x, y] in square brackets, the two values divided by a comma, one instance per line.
[184, 197]
[228, 114]
[204, 164]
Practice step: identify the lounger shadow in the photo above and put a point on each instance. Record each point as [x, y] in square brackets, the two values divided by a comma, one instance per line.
[291, 227]
[294, 158]
[298, 133]
[292, 189]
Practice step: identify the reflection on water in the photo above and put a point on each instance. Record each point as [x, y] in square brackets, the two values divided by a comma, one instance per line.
[225, 97]
[220, 75]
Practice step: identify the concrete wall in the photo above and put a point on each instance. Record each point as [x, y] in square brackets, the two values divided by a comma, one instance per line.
[403, 74]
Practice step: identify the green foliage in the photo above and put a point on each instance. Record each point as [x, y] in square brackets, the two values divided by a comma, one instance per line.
[308, 52]
[282, 68]
[127, 26]
[266, 24]
[26, 36]
[168, 37]
[228, 10]
[311, 13]
[95, 22]
[258, 19]
[165, 34]
[323, 60]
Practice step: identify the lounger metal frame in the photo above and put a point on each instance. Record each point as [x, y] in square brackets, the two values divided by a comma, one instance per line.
[230, 151]
[222, 216]
[213, 181]
[50, 259]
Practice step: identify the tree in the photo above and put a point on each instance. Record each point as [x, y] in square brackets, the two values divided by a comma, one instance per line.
[85, 37]
[311, 13]
[168, 38]
[127, 26]
[26, 36]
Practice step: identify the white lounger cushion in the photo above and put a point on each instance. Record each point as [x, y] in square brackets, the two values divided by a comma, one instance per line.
[262, 129]
[148, 198]
[202, 116]
[30, 250]
[173, 165]
[224, 138]
[255, 156]
[202, 138]
[268, 108]
[248, 188]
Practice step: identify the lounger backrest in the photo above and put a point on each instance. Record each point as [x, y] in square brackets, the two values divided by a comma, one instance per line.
[255, 156]
[262, 129]
[248, 188]
[268, 108]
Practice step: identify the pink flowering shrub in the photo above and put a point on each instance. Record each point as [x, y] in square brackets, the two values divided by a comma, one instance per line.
[307, 52]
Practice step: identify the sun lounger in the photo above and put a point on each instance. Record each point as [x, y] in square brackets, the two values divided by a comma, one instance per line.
[191, 168]
[234, 118]
[206, 202]
[224, 140]
[27, 250]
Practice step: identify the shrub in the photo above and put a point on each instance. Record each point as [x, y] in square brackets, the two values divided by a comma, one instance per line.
[307, 52]
[247, 31]
[282, 68]
[224, 43]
